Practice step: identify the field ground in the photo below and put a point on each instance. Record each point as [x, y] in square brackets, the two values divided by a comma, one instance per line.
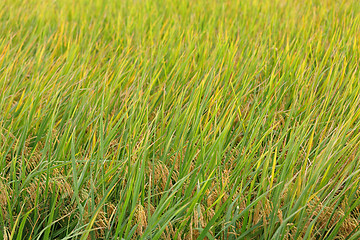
[179, 119]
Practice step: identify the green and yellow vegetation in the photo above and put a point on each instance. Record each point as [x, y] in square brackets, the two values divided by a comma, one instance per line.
[179, 119]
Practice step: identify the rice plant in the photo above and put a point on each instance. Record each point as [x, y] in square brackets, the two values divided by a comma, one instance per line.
[179, 119]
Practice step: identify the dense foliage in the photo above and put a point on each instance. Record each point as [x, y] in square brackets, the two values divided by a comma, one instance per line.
[179, 119]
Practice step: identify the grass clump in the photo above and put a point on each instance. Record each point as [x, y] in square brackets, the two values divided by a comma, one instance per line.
[179, 119]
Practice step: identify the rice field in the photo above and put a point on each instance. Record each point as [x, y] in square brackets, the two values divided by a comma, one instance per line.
[179, 119]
